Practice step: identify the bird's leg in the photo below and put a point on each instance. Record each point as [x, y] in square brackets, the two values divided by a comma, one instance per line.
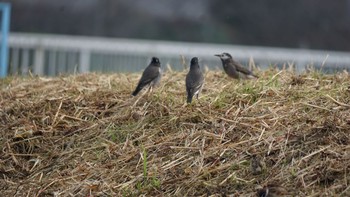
[199, 100]
[149, 91]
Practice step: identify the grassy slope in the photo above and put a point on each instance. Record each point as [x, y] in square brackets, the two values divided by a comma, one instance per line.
[85, 134]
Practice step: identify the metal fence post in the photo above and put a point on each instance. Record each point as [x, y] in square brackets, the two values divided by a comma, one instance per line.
[5, 23]
[84, 61]
[39, 61]
[25, 61]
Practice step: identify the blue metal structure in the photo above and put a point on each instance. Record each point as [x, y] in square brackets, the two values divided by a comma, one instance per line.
[5, 23]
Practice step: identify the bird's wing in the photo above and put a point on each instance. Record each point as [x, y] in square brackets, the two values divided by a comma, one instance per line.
[241, 68]
[150, 74]
[194, 82]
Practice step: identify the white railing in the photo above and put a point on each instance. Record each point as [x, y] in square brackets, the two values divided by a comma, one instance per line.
[45, 54]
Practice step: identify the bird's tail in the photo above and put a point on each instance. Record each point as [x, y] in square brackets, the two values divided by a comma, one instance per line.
[256, 76]
[137, 90]
[252, 76]
[189, 98]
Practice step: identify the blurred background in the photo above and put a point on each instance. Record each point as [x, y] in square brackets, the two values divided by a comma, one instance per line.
[122, 35]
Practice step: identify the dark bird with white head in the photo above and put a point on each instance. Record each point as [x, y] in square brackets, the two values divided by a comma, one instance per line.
[150, 76]
[234, 69]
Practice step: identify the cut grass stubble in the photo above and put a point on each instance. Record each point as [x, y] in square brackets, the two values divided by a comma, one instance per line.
[85, 135]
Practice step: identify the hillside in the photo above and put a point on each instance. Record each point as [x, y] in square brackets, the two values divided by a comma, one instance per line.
[85, 135]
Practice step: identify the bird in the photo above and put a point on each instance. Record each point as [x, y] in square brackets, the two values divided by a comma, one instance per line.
[194, 80]
[150, 76]
[234, 69]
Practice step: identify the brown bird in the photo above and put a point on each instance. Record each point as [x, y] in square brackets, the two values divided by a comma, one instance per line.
[235, 69]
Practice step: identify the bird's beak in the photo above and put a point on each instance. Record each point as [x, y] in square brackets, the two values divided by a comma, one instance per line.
[218, 55]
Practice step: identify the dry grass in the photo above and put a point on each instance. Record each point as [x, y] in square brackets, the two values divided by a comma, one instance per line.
[86, 136]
